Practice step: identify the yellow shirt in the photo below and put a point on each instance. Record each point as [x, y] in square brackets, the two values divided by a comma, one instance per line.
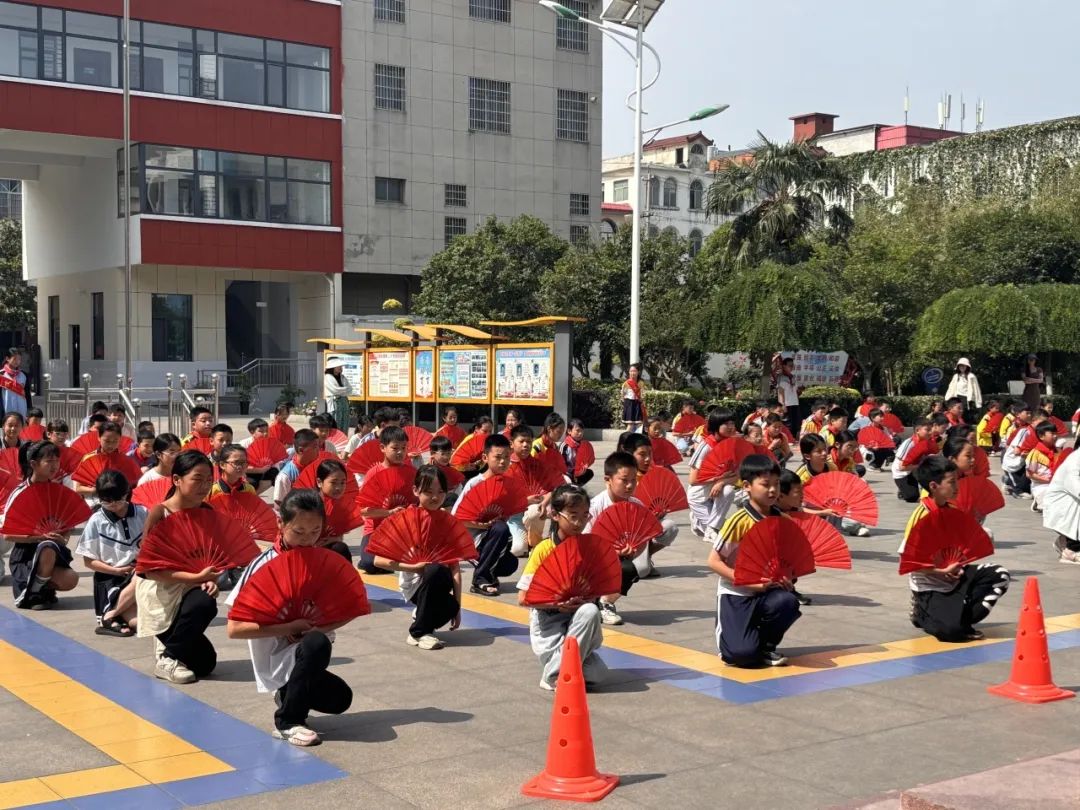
[805, 474]
[536, 558]
[1006, 425]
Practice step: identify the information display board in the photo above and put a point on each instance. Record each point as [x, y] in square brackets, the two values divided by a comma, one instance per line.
[352, 369]
[424, 375]
[464, 374]
[524, 374]
[389, 375]
[819, 368]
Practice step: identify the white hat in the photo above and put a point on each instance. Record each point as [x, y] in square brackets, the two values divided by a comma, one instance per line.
[963, 361]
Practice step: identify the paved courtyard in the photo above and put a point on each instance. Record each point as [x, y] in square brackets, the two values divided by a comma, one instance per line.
[869, 705]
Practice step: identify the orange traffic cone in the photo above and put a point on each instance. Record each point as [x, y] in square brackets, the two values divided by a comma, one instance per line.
[1031, 681]
[570, 772]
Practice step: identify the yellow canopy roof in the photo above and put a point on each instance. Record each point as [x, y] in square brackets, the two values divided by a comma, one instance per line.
[422, 331]
[336, 341]
[543, 320]
[464, 331]
[388, 334]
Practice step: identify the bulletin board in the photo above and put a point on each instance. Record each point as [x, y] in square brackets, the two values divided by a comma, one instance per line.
[524, 374]
[464, 374]
[389, 375]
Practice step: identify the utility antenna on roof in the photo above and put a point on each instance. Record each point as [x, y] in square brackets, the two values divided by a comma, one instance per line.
[980, 109]
[907, 104]
[963, 112]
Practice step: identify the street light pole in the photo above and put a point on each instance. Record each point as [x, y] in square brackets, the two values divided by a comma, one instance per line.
[635, 236]
[127, 191]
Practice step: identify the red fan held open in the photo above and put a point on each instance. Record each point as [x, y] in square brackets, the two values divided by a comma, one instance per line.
[534, 476]
[944, 537]
[364, 457]
[151, 493]
[495, 498]
[661, 492]
[196, 539]
[338, 440]
[419, 441]
[308, 479]
[875, 438]
[844, 493]
[92, 466]
[583, 567]
[893, 423]
[774, 550]
[44, 508]
[280, 431]
[978, 497]
[725, 459]
[9, 461]
[455, 434]
[303, 583]
[32, 433]
[585, 458]
[252, 512]
[387, 488]
[627, 526]
[342, 516]
[469, 451]
[266, 452]
[418, 535]
[200, 443]
[664, 453]
[69, 461]
[86, 443]
[830, 549]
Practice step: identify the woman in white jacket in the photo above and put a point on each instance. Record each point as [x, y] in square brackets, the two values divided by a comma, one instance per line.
[965, 385]
[336, 391]
[1061, 509]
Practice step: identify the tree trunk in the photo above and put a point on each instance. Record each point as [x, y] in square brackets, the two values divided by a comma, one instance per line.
[761, 361]
[605, 362]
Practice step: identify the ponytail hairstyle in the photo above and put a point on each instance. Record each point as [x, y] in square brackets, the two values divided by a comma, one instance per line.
[185, 462]
[35, 451]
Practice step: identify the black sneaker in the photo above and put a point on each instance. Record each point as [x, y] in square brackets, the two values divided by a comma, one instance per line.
[34, 601]
[803, 600]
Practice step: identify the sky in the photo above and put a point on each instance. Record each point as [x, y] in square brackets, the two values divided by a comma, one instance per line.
[774, 59]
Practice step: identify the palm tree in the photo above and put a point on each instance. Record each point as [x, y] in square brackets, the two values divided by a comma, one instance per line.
[778, 196]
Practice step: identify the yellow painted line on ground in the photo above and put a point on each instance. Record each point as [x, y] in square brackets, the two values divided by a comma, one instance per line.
[710, 663]
[146, 754]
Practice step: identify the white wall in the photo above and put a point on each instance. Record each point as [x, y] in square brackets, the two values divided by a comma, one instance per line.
[849, 142]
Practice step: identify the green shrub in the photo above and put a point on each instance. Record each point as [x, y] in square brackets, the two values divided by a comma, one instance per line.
[848, 398]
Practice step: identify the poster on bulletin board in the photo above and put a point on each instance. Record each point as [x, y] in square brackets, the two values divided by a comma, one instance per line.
[352, 364]
[523, 374]
[389, 375]
[423, 375]
[465, 374]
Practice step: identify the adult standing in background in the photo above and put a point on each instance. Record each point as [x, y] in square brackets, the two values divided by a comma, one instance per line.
[13, 384]
[788, 395]
[965, 385]
[1033, 379]
[336, 391]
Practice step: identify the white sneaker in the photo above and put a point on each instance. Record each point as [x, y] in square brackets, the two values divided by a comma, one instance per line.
[1025, 496]
[428, 642]
[171, 670]
[297, 735]
[608, 614]
[862, 532]
[1065, 555]
[547, 687]
[1035, 506]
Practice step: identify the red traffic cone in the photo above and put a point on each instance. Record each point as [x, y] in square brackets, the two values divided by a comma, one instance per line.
[1030, 680]
[570, 772]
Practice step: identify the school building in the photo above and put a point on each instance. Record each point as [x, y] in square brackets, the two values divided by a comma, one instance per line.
[294, 163]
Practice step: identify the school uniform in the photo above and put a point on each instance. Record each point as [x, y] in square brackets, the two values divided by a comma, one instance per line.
[707, 514]
[297, 673]
[432, 591]
[748, 623]
[222, 489]
[23, 562]
[908, 455]
[144, 462]
[1014, 460]
[569, 451]
[150, 475]
[1040, 462]
[949, 610]
[114, 541]
[284, 481]
[640, 566]
[811, 425]
[367, 559]
[493, 545]
[548, 629]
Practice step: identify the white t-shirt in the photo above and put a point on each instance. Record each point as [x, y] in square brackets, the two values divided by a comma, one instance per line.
[150, 475]
[785, 389]
[599, 503]
[112, 540]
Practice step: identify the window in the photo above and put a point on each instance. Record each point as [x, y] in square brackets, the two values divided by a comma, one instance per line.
[97, 324]
[389, 87]
[455, 196]
[489, 106]
[389, 189]
[452, 227]
[579, 205]
[695, 242]
[697, 155]
[171, 328]
[227, 185]
[679, 156]
[653, 232]
[390, 10]
[10, 199]
[654, 192]
[54, 327]
[697, 196]
[579, 235]
[607, 230]
[173, 60]
[620, 191]
[671, 193]
[573, 35]
[572, 116]
[494, 10]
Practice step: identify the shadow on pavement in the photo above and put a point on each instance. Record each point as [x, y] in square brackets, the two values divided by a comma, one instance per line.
[379, 726]
[840, 599]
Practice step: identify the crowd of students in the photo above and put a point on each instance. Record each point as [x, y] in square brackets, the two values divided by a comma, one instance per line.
[292, 659]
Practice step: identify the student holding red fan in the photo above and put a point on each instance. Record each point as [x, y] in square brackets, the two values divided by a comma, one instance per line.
[790, 500]
[751, 620]
[513, 419]
[911, 451]
[202, 424]
[166, 449]
[279, 428]
[876, 441]
[107, 454]
[433, 585]
[439, 454]
[775, 441]
[539, 479]
[292, 659]
[948, 600]
[177, 606]
[711, 499]
[394, 443]
[232, 467]
[640, 447]
[545, 447]
[305, 451]
[550, 624]
[449, 427]
[331, 479]
[265, 455]
[1040, 463]
[685, 426]
[578, 454]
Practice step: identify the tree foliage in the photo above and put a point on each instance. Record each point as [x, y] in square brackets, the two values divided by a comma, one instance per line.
[999, 320]
[18, 300]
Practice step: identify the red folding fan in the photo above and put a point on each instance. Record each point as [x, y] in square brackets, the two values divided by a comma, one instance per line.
[893, 423]
[32, 433]
[942, 538]
[585, 458]
[126, 444]
[534, 476]
[659, 489]
[9, 482]
[308, 480]
[266, 452]
[686, 424]
[582, 567]
[92, 466]
[552, 461]
[303, 583]
[455, 434]
[978, 497]
[1059, 460]
[875, 438]
[200, 443]
[252, 512]
[151, 493]
[664, 453]
[419, 441]
[281, 432]
[627, 526]
[1061, 428]
[981, 467]
[364, 457]
[844, 493]
[725, 458]
[86, 444]
[342, 516]
[9, 461]
[469, 451]
[388, 488]
[194, 539]
[339, 440]
[45, 508]
[492, 499]
[422, 536]
[775, 549]
[69, 460]
[830, 549]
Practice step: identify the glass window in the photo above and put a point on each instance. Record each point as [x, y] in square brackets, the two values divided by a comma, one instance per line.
[208, 196]
[489, 106]
[309, 203]
[18, 53]
[494, 10]
[204, 41]
[235, 45]
[243, 196]
[279, 201]
[52, 57]
[654, 192]
[452, 228]
[573, 35]
[275, 50]
[315, 170]
[166, 71]
[97, 324]
[92, 61]
[275, 85]
[170, 192]
[169, 157]
[308, 89]
[695, 242]
[572, 111]
[241, 164]
[671, 193]
[389, 87]
[620, 191]
[696, 195]
[54, 327]
[171, 328]
[241, 80]
[390, 10]
[389, 189]
[167, 36]
[52, 19]
[307, 55]
[93, 25]
[18, 15]
[579, 235]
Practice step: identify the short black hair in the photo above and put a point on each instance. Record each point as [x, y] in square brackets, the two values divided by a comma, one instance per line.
[845, 436]
[619, 461]
[836, 413]
[428, 474]
[952, 402]
[922, 421]
[318, 421]
[631, 442]
[810, 442]
[1044, 427]
[57, 426]
[874, 412]
[494, 441]
[392, 433]
[718, 417]
[257, 423]
[819, 405]
[757, 466]
[145, 435]
[35, 413]
[198, 411]
[301, 500]
[220, 427]
[788, 479]
[116, 407]
[302, 438]
[521, 429]
[112, 486]
[109, 427]
[480, 422]
[440, 444]
[99, 407]
[953, 445]
[327, 467]
[932, 470]
[939, 420]
[568, 495]
[92, 421]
